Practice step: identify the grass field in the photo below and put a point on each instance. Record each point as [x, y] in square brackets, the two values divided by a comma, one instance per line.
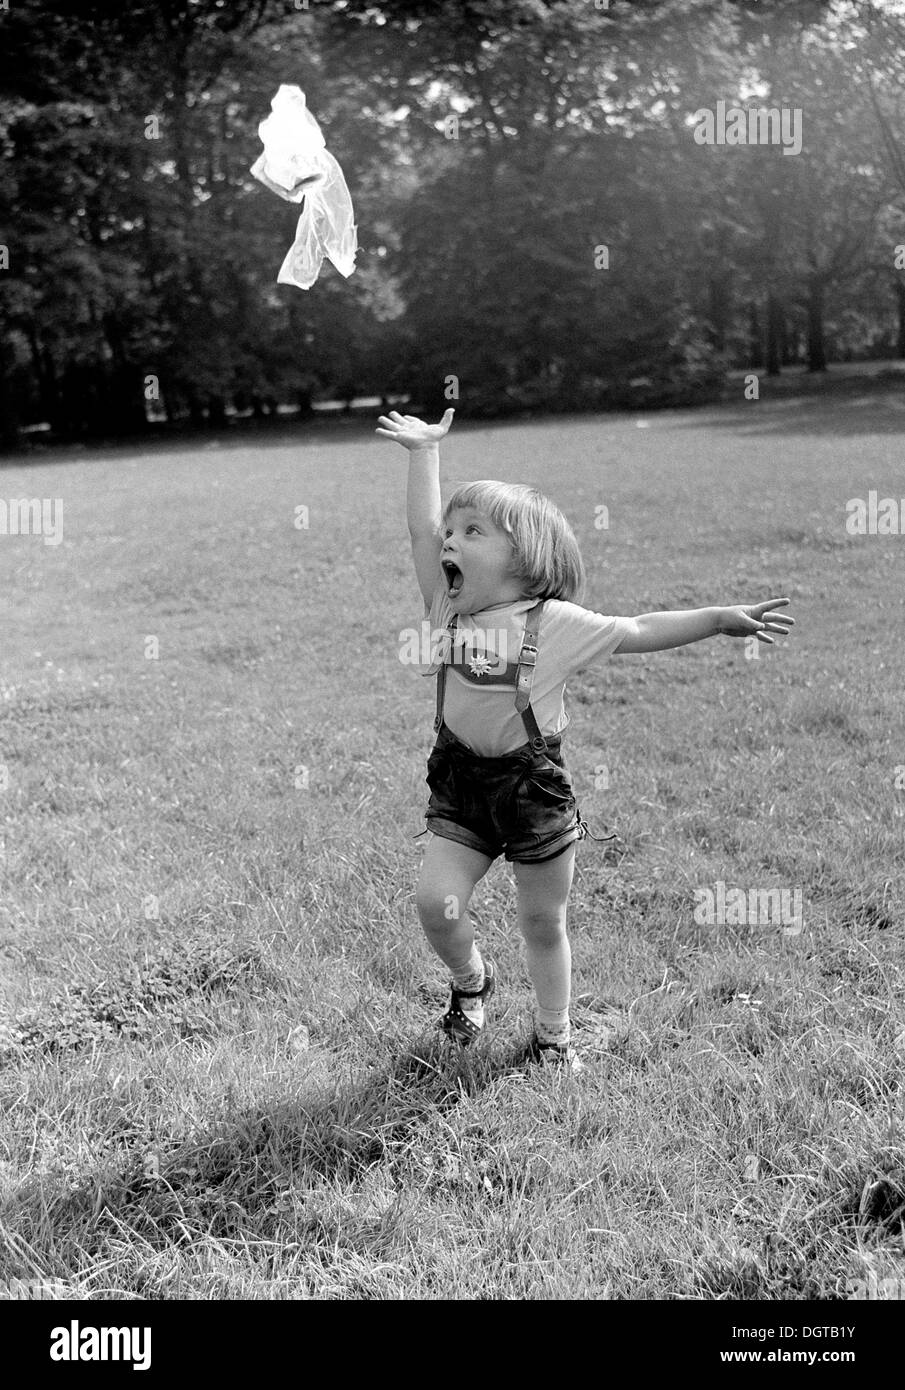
[219, 1076]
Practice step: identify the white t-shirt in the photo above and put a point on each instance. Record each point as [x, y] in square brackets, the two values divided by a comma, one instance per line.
[478, 708]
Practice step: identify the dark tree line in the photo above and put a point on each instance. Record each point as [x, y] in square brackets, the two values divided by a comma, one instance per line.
[538, 226]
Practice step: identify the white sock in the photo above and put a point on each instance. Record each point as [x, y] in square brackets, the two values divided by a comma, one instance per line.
[553, 1026]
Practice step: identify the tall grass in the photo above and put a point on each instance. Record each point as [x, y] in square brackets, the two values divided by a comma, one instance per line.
[219, 1074]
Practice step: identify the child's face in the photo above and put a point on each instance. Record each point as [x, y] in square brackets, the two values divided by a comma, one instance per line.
[482, 555]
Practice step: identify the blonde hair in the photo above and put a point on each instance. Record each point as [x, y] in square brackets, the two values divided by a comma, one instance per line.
[546, 556]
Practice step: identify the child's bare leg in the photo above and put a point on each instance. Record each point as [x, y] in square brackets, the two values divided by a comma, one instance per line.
[449, 873]
[543, 897]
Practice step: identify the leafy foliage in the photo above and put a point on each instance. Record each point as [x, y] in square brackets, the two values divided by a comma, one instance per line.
[491, 148]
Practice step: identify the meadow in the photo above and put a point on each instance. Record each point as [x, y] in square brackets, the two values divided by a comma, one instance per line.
[219, 1072]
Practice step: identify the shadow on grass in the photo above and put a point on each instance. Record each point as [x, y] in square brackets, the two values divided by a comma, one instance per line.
[356, 428]
[258, 1172]
[850, 409]
[794, 396]
[279, 434]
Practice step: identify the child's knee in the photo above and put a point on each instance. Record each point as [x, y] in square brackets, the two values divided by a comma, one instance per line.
[543, 927]
[437, 909]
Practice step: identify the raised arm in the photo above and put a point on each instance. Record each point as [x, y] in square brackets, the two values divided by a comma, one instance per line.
[423, 506]
[656, 632]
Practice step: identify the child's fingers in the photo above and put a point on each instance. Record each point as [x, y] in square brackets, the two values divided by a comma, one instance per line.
[387, 434]
[779, 625]
[766, 612]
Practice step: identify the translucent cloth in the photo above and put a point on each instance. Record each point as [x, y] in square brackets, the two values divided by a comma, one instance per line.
[297, 166]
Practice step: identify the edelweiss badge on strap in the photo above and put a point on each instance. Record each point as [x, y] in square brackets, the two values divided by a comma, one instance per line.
[479, 655]
[483, 668]
[479, 664]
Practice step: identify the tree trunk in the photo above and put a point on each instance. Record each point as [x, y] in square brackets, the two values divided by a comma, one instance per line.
[775, 327]
[9, 419]
[179, 115]
[45, 374]
[196, 412]
[900, 302]
[816, 343]
[719, 308]
[126, 413]
[755, 336]
[126, 407]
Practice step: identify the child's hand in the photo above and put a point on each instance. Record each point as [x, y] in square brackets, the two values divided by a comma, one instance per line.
[758, 619]
[411, 432]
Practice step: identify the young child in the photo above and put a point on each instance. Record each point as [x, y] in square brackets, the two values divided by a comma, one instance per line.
[501, 575]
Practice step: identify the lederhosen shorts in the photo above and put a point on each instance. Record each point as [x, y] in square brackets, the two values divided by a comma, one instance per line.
[520, 805]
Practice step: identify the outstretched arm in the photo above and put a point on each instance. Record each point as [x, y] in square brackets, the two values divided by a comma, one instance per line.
[655, 632]
[423, 506]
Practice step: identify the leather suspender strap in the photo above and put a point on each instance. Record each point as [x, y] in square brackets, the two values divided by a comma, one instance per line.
[441, 678]
[535, 737]
[441, 684]
[527, 662]
[527, 658]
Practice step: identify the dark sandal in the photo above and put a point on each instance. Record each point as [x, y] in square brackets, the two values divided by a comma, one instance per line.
[560, 1056]
[457, 1024]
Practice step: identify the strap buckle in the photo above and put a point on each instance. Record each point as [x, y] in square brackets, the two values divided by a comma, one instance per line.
[528, 655]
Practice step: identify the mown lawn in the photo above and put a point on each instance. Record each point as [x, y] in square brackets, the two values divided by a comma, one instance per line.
[219, 1076]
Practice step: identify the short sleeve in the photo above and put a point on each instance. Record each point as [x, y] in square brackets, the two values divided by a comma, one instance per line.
[582, 638]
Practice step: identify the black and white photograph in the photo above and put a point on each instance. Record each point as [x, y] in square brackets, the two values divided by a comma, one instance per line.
[452, 666]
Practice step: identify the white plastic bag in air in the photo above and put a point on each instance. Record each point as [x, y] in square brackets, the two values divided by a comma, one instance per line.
[297, 166]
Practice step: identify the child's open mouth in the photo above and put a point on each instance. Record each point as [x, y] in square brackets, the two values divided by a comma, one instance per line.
[454, 579]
